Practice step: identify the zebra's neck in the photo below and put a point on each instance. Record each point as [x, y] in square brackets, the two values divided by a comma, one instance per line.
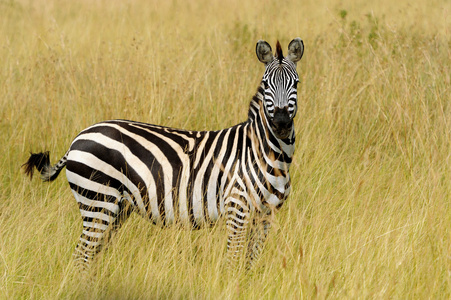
[260, 131]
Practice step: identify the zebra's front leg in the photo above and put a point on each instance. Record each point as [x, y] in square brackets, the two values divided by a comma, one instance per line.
[257, 238]
[237, 224]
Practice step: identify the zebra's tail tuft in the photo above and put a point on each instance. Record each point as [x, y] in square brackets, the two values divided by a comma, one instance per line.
[42, 163]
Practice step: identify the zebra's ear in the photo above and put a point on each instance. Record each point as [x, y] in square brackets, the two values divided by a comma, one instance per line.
[264, 52]
[295, 50]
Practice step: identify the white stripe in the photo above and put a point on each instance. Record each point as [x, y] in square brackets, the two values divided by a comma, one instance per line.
[255, 198]
[95, 187]
[262, 188]
[230, 189]
[95, 225]
[288, 148]
[96, 215]
[273, 200]
[213, 180]
[91, 185]
[200, 149]
[91, 243]
[181, 134]
[114, 208]
[97, 235]
[227, 175]
[277, 164]
[271, 145]
[277, 182]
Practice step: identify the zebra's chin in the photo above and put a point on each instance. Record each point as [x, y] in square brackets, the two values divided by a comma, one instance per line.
[282, 132]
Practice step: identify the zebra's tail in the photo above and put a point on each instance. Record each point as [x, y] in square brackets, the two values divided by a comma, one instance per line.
[42, 163]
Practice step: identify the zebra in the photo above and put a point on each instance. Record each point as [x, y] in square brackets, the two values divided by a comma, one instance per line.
[188, 178]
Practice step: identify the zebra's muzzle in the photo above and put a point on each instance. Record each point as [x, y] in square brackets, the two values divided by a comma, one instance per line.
[281, 124]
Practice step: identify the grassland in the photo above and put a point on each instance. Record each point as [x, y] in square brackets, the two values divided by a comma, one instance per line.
[369, 215]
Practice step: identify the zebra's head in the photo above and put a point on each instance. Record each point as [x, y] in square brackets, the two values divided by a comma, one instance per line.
[280, 84]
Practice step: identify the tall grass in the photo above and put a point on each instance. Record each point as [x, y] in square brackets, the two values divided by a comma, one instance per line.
[369, 215]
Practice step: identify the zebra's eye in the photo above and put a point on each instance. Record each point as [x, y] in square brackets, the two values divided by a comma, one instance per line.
[295, 85]
[265, 84]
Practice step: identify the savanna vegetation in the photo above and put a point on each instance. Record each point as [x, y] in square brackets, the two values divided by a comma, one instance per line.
[369, 215]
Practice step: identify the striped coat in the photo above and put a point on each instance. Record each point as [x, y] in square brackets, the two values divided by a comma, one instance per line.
[191, 178]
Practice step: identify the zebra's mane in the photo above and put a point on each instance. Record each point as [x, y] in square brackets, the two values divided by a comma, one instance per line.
[256, 102]
[279, 53]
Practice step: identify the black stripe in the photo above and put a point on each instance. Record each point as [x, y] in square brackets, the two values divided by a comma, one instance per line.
[207, 173]
[228, 154]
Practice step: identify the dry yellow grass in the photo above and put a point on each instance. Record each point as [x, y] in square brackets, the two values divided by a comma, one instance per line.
[369, 215]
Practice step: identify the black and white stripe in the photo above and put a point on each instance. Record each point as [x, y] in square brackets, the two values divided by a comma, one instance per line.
[191, 178]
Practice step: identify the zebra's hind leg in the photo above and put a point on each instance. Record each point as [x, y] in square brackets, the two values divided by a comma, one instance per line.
[90, 242]
[101, 216]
